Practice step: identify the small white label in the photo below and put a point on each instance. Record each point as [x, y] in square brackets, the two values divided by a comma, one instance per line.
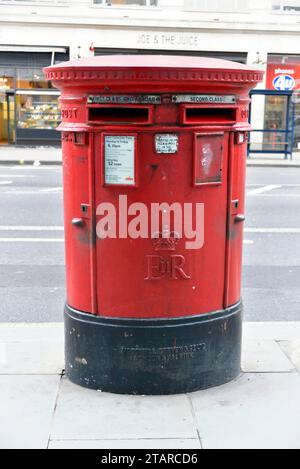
[119, 159]
[204, 99]
[166, 143]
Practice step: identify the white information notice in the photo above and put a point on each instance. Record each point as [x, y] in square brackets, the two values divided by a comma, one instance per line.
[166, 143]
[119, 159]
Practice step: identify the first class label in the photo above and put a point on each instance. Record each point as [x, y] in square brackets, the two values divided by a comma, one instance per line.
[119, 159]
[124, 99]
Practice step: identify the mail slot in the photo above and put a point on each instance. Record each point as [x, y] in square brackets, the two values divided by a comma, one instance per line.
[208, 115]
[118, 115]
[154, 155]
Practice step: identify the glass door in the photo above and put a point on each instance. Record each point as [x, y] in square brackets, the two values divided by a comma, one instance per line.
[275, 122]
[10, 99]
[3, 119]
[296, 121]
[7, 118]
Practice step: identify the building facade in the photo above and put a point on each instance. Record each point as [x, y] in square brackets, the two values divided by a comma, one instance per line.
[33, 34]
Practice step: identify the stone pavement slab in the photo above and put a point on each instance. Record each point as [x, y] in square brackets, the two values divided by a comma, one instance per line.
[110, 416]
[143, 443]
[254, 411]
[272, 330]
[26, 410]
[32, 332]
[37, 358]
[12, 154]
[264, 356]
[270, 159]
[292, 351]
[41, 409]
[31, 349]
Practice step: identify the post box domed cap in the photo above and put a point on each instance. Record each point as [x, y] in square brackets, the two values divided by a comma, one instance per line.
[152, 68]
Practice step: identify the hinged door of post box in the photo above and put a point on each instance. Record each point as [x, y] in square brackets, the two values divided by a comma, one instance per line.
[78, 229]
[161, 275]
[236, 217]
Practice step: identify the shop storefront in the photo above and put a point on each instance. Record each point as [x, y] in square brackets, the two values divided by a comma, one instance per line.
[275, 110]
[283, 74]
[29, 112]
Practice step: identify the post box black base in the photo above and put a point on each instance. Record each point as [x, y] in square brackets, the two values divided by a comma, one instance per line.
[156, 356]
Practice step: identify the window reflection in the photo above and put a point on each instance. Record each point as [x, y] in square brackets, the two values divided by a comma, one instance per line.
[31, 78]
[6, 79]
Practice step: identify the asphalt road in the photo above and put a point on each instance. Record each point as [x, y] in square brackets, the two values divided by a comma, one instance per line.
[32, 250]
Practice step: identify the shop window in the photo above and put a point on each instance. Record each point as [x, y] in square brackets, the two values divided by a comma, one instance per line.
[32, 78]
[37, 111]
[275, 120]
[6, 79]
[271, 125]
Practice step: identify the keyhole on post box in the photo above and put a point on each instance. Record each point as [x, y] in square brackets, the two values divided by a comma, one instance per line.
[84, 208]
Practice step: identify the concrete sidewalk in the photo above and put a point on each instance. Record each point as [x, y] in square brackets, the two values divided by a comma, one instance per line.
[15, 155]
[40, 408]
[273, 160]
[11, 154]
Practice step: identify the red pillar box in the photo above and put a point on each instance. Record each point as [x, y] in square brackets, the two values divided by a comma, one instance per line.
[154, 155]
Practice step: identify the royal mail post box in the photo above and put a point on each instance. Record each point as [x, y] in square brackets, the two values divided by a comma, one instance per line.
[154, 152]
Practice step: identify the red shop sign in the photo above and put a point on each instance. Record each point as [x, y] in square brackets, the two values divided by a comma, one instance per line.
[283, 77]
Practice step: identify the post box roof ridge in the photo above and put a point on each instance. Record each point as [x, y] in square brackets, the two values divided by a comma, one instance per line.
[149, 68]
[152, 61]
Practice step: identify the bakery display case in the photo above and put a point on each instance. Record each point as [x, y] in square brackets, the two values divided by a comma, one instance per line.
[37, 116]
